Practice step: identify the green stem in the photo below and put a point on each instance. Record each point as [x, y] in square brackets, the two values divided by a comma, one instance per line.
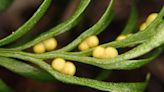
[117, 65]
[105, 86]
[131, 24]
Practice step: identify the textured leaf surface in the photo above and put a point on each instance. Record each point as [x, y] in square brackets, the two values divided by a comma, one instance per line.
[24, 69]
[28, 25]
[105, 86]
[65, 26]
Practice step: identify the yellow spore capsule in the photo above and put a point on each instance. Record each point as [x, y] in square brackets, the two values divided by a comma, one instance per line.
[39, 48]
[50, 44]
[151, 18]
[110, 52]
[143, 27]
[98, 52]
[130, 34]
[58, 64]
[92, 41]
[121, 37]
[83, 46]
[69, 68]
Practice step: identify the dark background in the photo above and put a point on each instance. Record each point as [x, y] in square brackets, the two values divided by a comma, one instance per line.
[60, 10]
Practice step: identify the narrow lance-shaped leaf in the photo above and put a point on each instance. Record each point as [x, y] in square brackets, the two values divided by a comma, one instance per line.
[104, 86]
[104, 21]
[119, 65]
[28, 25]
[132, 64]
[65, 26]
[136, 38]
[131, 24]
[147, 46]
[24, 69]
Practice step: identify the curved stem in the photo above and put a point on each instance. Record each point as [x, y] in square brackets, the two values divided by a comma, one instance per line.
[131, 24]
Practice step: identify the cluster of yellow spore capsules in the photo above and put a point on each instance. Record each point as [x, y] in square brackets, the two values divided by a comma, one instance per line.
[90, 42]
[67, 67]
[98, 51]
[58, 64]
[149, 20]
[123, 36]
[47, 45]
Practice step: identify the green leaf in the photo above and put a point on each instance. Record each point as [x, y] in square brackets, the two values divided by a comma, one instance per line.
[100, 85]
[104, 21]
[131, 24]
[28, 25]
[65, 26]
[132, 64]
[4, 87]
[24, 69]
[137, 38]
[5, 4]
[117, 65]
[147, 40]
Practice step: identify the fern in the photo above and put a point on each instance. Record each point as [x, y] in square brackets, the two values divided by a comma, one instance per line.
[145, 41]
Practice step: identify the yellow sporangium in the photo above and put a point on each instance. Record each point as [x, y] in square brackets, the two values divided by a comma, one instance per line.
[149, 20]
[47, 45]
[90, 42]
[58, 64]
[50, 44]
[100, 52]
[69, 68]
[143, 26]
[121, 37]
[111, 52]
[83, 46]
[130, 34]
[39, 48]
[63, 66]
